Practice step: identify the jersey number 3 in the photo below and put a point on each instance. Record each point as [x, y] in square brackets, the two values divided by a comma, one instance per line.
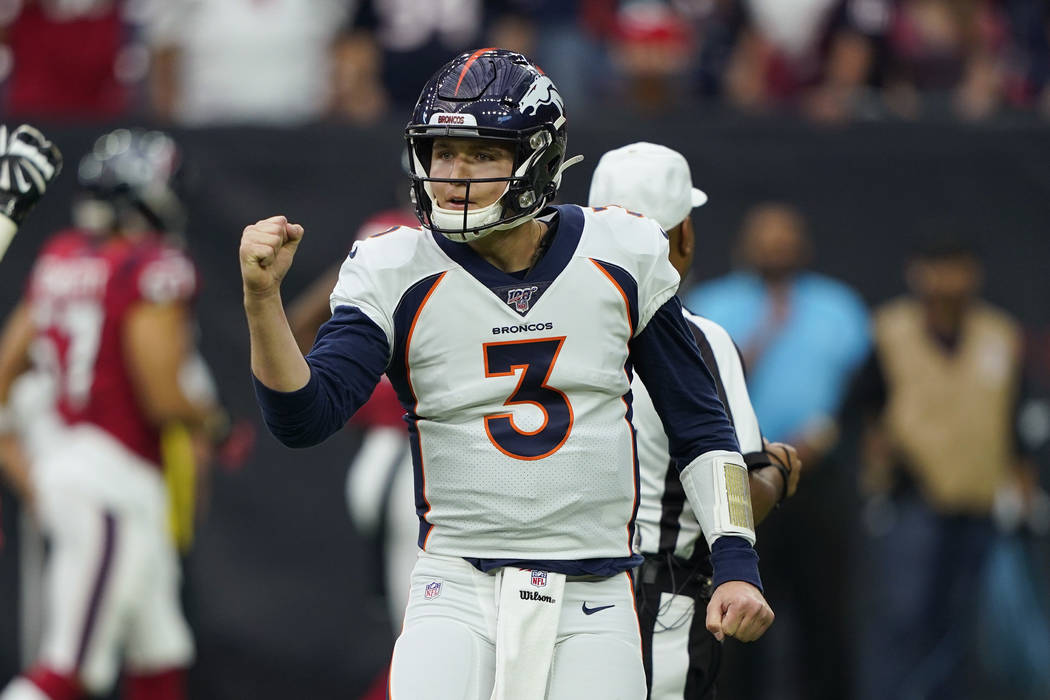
[534, 359]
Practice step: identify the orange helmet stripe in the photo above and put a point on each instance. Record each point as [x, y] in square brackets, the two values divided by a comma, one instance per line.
[470, 61]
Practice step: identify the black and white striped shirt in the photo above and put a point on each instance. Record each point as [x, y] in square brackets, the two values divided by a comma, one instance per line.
[665, 523]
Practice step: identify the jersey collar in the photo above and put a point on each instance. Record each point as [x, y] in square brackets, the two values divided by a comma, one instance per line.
[567, 228]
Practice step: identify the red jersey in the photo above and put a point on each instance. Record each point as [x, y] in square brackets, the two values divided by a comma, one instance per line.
[382, 410]
[66, 60]
[80, 293]
[384, 221]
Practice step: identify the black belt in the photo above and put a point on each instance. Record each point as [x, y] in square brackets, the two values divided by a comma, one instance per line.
[669, 574]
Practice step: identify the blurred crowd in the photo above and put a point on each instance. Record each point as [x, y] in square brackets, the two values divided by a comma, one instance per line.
[920, 480]
[204, 62]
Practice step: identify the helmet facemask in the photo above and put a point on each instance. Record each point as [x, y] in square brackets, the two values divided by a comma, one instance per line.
[531, 185]
[489, 94]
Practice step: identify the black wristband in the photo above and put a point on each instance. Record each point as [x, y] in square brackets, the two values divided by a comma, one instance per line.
[785, 473]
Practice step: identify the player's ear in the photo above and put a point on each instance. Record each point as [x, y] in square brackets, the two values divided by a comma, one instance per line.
[686, 238]
[681, 247]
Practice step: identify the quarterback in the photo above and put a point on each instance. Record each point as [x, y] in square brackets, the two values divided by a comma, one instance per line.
[510, 330]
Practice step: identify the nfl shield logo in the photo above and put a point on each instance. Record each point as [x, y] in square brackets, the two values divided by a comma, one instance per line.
[539, 578]
[433, 590]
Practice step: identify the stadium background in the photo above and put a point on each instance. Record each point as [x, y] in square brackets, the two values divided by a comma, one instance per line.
[283, 595]
[281, 590]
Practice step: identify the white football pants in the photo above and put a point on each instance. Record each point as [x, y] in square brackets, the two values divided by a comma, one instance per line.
[446, 650]
[112, 591]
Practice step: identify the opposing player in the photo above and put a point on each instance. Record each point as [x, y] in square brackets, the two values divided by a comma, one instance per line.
[509, 329]
[681, 658]
[107, 315]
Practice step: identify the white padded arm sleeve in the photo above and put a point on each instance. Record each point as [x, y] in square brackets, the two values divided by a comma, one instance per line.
[717, 488]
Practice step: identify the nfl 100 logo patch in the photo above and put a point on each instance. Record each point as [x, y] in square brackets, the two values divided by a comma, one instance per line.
[520, 298]
[539, 578]
[432, 590]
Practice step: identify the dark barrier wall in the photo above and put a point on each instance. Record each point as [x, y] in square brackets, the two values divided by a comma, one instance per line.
[282, 593]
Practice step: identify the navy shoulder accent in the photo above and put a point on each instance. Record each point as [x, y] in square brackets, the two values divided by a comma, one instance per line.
[405, 315]
[627, 285]
[566, 230]
[569, 232]
[570, 567]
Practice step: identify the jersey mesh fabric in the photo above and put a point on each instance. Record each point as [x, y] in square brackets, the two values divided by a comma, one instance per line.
[489, 496]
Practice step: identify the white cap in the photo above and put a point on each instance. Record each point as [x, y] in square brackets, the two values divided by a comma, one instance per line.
[649, 179]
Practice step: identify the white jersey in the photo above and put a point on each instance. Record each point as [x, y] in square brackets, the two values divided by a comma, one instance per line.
[665, 522]
[518, 391]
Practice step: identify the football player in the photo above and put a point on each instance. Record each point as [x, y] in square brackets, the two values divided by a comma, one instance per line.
[107, 315]
[510, 329]
[681, 658]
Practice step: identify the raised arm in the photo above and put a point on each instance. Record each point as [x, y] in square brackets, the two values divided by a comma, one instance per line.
[303, 399]
[267, 250]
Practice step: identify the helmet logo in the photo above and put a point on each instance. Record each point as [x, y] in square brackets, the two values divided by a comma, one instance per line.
[541, 92]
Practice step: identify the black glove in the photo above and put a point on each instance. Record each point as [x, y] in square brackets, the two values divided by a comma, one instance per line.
[28, 164]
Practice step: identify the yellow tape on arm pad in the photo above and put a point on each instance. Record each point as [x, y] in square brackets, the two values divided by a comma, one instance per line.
[738, 495]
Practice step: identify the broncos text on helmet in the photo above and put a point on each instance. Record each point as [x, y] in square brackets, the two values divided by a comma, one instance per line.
[499, 95]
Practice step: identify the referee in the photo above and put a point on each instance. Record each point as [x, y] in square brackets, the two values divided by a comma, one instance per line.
[681, 656]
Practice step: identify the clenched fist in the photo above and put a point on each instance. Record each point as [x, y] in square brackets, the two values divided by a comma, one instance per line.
[267, 249]
[737, 609]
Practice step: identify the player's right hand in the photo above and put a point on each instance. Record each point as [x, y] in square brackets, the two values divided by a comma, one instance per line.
[28, 164]
[737, 609]
[267, 249]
